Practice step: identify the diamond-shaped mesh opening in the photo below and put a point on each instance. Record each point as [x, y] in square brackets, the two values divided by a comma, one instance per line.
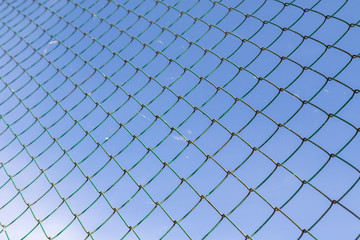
[179, 119]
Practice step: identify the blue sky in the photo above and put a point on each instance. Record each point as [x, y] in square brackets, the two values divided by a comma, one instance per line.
[179, 117]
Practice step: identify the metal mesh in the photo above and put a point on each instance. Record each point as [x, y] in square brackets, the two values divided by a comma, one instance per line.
[179, 119]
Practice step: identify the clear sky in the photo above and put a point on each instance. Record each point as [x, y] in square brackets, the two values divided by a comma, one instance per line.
[179, 119]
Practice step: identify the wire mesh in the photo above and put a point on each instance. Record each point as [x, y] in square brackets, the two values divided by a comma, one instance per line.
[179, 119]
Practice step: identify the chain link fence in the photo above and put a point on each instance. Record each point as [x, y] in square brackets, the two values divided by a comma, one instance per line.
[179, 119]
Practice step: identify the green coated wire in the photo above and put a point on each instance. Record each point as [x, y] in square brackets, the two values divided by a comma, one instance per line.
[72, 18]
